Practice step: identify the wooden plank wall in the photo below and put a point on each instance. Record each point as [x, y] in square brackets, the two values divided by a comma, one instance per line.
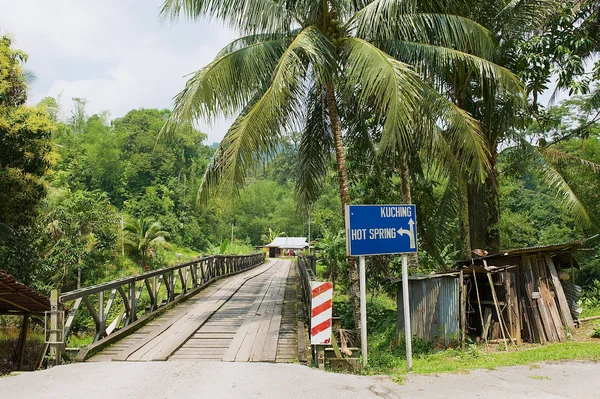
[531, 305]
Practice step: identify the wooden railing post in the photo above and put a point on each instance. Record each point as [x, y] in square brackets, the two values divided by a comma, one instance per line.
[55, 333]
[202, 272]
[101, 325]
[132, 302]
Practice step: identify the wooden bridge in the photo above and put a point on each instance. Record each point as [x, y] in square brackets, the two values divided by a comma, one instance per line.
[250, 313]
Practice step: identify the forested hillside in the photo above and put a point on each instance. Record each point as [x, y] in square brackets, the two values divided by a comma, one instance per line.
[79, 193]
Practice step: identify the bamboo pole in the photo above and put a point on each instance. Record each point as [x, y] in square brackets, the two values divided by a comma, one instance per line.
[489, 276]
[479, 305]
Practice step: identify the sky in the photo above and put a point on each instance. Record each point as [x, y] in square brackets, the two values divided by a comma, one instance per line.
[116, 54]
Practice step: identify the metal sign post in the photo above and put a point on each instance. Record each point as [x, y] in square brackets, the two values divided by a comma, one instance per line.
[363, 309]
[381, 230]
[406, 311]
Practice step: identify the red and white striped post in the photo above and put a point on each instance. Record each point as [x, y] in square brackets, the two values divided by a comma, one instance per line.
[321, 313]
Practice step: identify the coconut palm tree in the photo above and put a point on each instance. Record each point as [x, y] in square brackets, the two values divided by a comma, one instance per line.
[502, 118]
[299, 61]
[143, 237]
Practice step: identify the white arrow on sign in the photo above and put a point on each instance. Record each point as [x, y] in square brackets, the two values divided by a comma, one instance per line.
[410, 233]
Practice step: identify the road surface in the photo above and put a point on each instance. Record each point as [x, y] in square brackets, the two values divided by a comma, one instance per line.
[205, 379]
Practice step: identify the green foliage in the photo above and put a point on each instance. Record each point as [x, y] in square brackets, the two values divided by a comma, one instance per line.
[26, 155]
[596, 333]
[143, 237]
[331, 252]
[81, 232]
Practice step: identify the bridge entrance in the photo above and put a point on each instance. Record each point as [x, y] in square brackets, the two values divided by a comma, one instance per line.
[250, 316]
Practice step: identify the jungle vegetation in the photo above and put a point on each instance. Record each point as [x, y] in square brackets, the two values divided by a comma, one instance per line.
[335, 102]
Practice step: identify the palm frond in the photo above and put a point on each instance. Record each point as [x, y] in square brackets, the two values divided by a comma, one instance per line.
[249, 40]
[551, 177]
[225, 85]
[383, 20]
[410, 107]
[437, 59]
[254, 134]
[520, 16]
[557, 157]
[460, 130]
[246, 16]
[391, 87]
[315, 148]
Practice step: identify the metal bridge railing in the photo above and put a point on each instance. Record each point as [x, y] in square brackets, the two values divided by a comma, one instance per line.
[306, 269]
[117, 304]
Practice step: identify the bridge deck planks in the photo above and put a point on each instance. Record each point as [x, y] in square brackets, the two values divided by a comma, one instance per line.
[241, 318]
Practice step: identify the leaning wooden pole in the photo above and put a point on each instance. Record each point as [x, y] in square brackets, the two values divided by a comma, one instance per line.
[479, 305]
[489, 276]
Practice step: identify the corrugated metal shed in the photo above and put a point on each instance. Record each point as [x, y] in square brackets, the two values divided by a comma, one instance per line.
[572, 293]
[16, 297]
[434, 308]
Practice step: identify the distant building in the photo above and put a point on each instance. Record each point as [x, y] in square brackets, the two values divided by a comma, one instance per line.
[286, 246]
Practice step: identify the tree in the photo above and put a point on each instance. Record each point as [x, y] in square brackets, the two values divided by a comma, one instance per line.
[81, 229]
[268, 238]
[323, 55]
[143, 237]
[26, 154]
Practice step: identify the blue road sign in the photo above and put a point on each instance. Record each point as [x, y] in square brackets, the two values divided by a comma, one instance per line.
[380, 229]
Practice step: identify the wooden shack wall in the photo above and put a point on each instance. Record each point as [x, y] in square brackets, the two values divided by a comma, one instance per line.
[530, 298]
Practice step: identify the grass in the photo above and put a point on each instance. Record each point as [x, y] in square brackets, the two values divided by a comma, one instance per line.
[589, 311]
[455, 360]
[596, 332]
[9, 337]
[387, 353]
[538, 377]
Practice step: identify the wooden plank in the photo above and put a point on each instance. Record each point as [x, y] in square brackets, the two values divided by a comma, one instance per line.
[487, 316]
[514, 292]
[483, 336]
[489, 276]
[463, 310]
[258, 328]
[270, 349]
[179, 334]
[151, 341]
[249, 324]
[552, 309]
[565, 311]
[535, 310]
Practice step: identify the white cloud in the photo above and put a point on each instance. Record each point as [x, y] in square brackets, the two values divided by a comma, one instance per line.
[115, 54]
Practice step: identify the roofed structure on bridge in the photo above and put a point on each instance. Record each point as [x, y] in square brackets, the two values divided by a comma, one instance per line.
[17, 298]
[282, 246]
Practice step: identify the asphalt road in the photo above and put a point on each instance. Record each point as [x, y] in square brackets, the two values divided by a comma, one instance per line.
[286, 381]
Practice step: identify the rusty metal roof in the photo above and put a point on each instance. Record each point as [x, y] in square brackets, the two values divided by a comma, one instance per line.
[16, 297]
[553, 248]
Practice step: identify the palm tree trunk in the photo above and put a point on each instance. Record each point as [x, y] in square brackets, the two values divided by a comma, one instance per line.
[491, 185]
[340, 158]
[466, 209]
[464, 220]
[413, 259]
